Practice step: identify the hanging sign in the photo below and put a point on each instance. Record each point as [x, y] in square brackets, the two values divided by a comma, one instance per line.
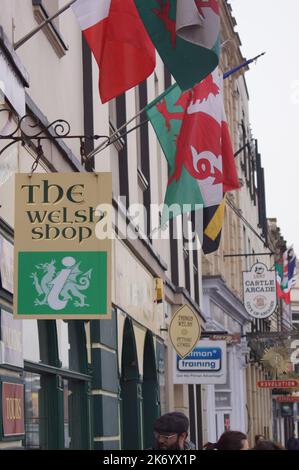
[184, 330]
[11, 343]
[277, 384]
[259, 288]
[206, 364]
[6, 264]
[62, 251]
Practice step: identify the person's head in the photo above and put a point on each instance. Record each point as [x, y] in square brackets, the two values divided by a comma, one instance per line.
[258, 438]
[293, 443]
[230, 440]
[267, 445]
[171, 431]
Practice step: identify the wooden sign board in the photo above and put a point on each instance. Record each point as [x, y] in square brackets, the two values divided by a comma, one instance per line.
[62, 269]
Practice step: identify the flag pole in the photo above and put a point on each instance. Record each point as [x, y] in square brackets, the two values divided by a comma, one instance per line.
[104, 144]
[40, 26]
[236, 69]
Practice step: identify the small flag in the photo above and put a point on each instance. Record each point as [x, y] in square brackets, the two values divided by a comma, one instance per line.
[119, 42]
[186, 33]
[213, 218]
[286, 275]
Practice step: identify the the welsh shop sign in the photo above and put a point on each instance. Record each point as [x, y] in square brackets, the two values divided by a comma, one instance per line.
[259, 291]
[62, 268]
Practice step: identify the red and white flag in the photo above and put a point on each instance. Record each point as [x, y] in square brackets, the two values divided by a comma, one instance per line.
[204, 146]
[119, 43]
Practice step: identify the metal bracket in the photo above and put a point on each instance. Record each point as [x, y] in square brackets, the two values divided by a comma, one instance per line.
[58, 129]
[246, 255]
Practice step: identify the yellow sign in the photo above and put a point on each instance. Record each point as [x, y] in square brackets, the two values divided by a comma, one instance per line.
[184, 331]
[62, 246]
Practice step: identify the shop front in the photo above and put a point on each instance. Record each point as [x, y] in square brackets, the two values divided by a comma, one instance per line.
[226, 317]
[44, 373]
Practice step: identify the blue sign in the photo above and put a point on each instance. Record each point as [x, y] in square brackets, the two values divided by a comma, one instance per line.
[204, 359]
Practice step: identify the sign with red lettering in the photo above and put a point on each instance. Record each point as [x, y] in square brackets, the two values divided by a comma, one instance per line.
[287, 399]
[277, 384]
[13, 409]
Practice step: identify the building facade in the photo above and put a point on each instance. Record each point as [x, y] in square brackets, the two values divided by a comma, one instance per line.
[243, 242]
[95, 384]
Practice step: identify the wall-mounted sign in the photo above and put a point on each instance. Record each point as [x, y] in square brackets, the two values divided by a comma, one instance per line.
[12, 409]
[6, 264]
[230, 339]
[184, 331]
[223, 400]
[259, 288]
[206, 364]
[11, 340]
[287, 399]
[277, 384]
[62, 250]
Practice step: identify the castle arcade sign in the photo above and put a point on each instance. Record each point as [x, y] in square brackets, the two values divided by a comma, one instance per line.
[259, 287]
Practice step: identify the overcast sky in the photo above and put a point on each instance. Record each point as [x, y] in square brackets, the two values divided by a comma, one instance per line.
[273, 84]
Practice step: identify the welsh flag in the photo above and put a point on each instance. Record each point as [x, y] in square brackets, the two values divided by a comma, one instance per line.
[193, 133]
[286, 275]
[119, 42]
[186, 33]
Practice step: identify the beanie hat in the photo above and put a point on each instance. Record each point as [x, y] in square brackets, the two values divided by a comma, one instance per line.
[174, 422]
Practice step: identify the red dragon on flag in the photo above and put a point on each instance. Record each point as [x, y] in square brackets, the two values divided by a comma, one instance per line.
[203, 144]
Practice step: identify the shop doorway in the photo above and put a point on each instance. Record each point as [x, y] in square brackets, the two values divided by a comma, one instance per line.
[131, 392]
[150, 391]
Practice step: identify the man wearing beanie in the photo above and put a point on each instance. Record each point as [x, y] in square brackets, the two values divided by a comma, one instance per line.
[171, 432]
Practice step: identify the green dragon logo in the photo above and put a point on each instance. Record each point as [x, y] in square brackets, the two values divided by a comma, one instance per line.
[57, 287]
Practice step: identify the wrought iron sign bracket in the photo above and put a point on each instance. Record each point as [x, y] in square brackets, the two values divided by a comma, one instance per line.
[29, 130]
[246, 255]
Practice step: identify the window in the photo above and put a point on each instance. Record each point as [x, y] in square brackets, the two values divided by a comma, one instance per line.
[31, 340]
[56, 397]
[143, 155]
[66, 418]
[44, 9]
[186, 252]
[120, 115]
[6, 264]
[32, 411]
[174, 251]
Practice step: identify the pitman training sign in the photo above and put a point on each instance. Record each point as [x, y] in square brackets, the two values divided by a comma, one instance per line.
[259, 287]
[206, 364]
[62, 269]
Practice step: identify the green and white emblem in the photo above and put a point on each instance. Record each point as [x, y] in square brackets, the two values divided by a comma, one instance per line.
[57, 287]
[59, 282]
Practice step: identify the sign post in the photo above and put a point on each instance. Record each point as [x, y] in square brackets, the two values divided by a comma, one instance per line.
[62, 260]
